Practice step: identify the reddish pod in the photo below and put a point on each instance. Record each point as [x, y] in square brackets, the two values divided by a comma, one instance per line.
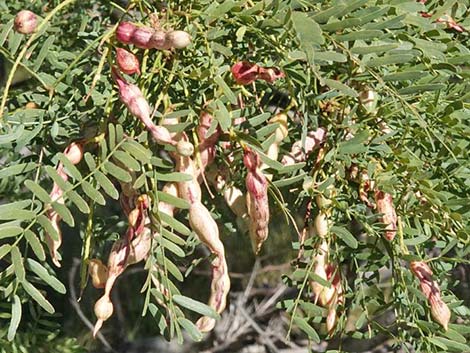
[127, 62]
[25, 22]
[124, 32]
[134, 100]
[244, 72]
[439, 310]
[257, 201]
[300, 152]
[385, 206]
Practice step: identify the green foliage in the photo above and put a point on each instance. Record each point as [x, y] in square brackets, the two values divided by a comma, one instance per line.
[331, 52]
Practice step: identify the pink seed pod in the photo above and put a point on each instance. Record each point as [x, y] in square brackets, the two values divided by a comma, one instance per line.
[132, 97]
[25, 22]
[127, 62]
[103, 311]
[177, 39]
[140, 246]
[257, 201]
[98, 273]
[244, 72]
[74, 152]
[299, 153]
[439, 310]
[124, 32]
[158, 40]
[384, 203]
[142, 37]
[270, 74]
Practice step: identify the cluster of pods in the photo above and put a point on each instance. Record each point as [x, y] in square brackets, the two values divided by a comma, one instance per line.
[252, 209]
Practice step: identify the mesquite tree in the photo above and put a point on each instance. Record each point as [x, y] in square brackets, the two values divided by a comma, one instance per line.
[150, 132]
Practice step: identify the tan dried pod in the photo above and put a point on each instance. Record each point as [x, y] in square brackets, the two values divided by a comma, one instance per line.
[188, 190]
[184, 148]
[385, 206]
[103, 311]
[331, 320]
[177, 39]
[98, 273]
[322, 224]
[439, 310]
[282, 131]
[206, 229]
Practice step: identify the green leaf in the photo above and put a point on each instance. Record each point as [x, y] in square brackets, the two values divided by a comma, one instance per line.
[78, 201]
[8, 214]
[38, 297]
[92, 193]
[374, 48]
[90, 161]
[341, 87]
[42, 273]
[354, 145]
[405, 76]
[70, 169]
[174, 223]
[125, 159]
[422, 88]
[191, 329]
[289, 181]
[111, 136]
[117, 172]
[106, 185]
[7, 231]
[17, 262]
[175, 249]
[15, 135]
[35, 244]
[136, 150]
[52, 172]
[4, 249]
[390, 60]
[174, 176]
[337, 25]
[330, 56]
[259, 119]
[48, 227]
[226, 89]
[15, 318]
[345, 236]
[309, 330]
[17, 169]
[359, 35]
[308, 31]
[45, 47]
[195, 306]
[64, 213]
[37, 190]
[222, 115]
[172, 200]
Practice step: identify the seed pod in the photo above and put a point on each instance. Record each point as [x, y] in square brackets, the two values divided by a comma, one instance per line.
[282, 131]
[127, 62]
[244, 72]
[158, 40]
[384, 203]
[321, 225]
[98, 273]
[270, 74]
[206, 229]
[124, 32]
[132, 97]
[185, 148]
[142, 37]
[331, 320]
[257, 201]
[439, 310]
[188, 190]
[103, 311]
[177, 39]
[74, 152]
[299, 154]
[25, 22]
